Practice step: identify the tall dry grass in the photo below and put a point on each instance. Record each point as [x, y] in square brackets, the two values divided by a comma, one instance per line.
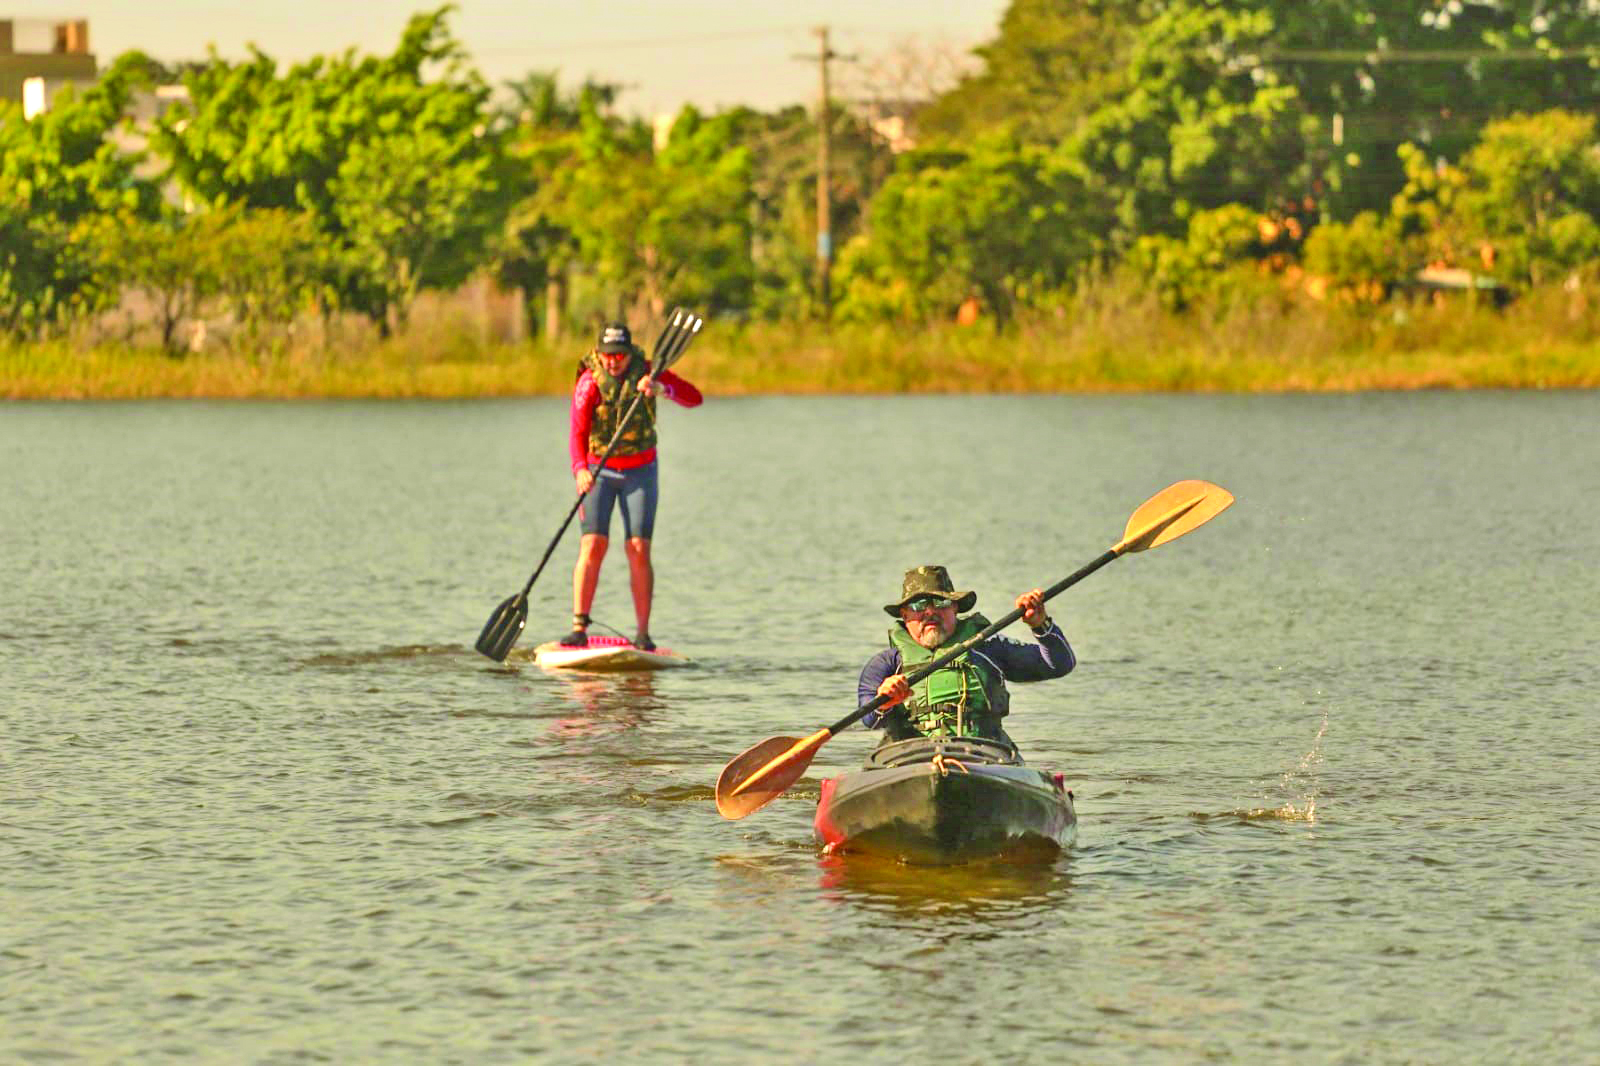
[1106, 339]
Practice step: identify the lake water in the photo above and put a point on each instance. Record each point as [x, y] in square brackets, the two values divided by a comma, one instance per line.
[1334, 754]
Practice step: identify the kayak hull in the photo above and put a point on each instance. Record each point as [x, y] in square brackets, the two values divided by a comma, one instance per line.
[606, 655]
[940, 802]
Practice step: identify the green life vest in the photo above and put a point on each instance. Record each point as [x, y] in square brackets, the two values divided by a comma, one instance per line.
[953, 701]
[616, 394]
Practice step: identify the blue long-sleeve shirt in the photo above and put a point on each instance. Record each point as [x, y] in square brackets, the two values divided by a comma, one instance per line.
[1012, 660]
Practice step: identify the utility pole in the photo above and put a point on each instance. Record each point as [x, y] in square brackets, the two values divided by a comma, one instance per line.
[824, 166]
[824, 192]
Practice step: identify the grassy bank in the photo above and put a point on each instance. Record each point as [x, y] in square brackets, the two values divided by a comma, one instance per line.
[1549, 340]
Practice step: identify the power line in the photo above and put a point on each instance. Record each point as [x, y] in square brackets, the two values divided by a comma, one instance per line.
[665, 42]
[641, 42]
[1424, 55]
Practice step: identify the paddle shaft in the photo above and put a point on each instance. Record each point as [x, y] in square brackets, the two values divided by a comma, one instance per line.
[668, 354]
[960, 649]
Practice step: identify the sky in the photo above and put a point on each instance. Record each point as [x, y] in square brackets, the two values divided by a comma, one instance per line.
[711, 53]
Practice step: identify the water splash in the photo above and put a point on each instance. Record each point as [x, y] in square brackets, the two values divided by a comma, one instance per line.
[1292, 798]
[1301, 783]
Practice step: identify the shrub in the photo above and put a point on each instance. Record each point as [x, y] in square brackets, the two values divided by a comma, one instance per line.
[1364, 251]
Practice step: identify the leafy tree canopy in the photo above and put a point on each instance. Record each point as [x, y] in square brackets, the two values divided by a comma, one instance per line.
[1052, 63]
[394, 157]
[1197, 128]
[62, 178]
[1367, 75]
[1002, 223]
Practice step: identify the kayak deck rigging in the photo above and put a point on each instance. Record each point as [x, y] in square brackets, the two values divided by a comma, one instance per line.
[946, 800]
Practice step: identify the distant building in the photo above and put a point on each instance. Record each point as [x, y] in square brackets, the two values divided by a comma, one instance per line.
[39, 56]
[661, 130]
[145, 108]
[895, 131]
[891, 119]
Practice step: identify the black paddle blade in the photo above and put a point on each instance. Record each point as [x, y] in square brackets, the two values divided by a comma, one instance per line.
[500, 633]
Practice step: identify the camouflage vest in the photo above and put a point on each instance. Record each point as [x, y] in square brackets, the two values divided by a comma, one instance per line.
[953, 701]
[616, 394]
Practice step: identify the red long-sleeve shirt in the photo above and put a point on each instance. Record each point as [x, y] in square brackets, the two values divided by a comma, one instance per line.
[586, 394]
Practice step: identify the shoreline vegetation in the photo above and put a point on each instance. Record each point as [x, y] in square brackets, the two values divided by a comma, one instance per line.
[1169, 197]
[1102, 343]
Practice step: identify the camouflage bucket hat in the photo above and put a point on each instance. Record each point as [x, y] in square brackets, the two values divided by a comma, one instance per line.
[930, 581]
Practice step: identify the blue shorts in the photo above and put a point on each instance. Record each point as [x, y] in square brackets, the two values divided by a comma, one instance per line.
[636, 489]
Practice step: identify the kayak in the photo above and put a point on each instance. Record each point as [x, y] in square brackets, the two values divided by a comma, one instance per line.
[941, 801]
[606, 654]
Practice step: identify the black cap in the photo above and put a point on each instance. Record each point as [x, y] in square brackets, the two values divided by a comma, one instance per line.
[615, 338]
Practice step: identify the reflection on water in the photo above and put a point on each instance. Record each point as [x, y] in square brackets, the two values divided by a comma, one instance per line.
[771, 866]
[970, 891]
[609, 703]
[962, 898]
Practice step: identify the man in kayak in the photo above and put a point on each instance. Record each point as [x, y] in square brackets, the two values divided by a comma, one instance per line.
[607, 380]
[967, 697]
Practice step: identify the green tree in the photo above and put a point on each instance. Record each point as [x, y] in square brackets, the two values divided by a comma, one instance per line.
[396, 159]
[1523, 201]
[783, 147]
[267, 265]
[1432, 73]
[1216, 260]
[535, 103]
[1368, 76]
[1005, 223]
[1201, 124]
[1051, 65]
[1527, 171]
[1365, 252]
[415, 209]
[652, 226]
[48, 272]
[261, 267]
[61, 177]
[164, 261]
[535, 250]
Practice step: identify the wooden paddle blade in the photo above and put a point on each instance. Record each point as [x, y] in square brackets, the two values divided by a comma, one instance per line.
[751, 781]
[500, 633]
[1172, 512]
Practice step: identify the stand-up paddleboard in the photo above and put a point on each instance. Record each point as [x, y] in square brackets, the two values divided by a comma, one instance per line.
[606, 654]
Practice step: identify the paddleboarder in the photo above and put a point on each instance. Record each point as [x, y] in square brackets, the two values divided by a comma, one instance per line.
[607, 378]
[967, 696]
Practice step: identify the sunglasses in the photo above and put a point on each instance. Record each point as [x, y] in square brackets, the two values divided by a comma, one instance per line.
[923, 603]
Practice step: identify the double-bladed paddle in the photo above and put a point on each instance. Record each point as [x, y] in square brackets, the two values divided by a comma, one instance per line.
[763, 773]
[500, 633]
